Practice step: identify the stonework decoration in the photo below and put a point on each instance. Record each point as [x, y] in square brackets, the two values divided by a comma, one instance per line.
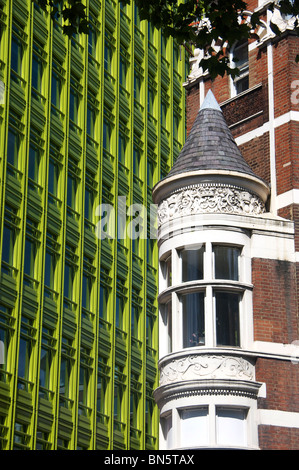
[206, 367]
[210, 198]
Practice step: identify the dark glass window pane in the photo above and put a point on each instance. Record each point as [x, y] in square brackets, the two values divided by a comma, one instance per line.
[8, 244]
[86, 291]
[242, 84]
[69, 275]
[103, 302]
[29, 259]
[119, 314]
[101, 391]
[65, 372]
[74, 105]
[24, 358]
[226, 262]
[122, 145]
[16, 54]
[106, 135]
[37, 72]
[193, 320]
[71, 191]
[107, 56]
[56, 89]
[122, 71]
[53, 177]
[50, 263]
[83, 385]
[13, 146]
[45, 364]
[134, 320]
[192, 264]
[227, 319]
[34, 161]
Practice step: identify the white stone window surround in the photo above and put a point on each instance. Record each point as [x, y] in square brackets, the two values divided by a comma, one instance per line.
[173, 411]
[209, 285]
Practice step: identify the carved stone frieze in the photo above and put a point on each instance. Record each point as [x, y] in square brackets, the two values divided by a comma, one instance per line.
[210, 198]
[195, 366]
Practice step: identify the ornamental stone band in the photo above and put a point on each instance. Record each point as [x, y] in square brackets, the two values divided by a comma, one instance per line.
[210, 198]
[197, 366]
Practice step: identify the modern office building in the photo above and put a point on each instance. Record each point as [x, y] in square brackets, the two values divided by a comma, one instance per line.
[92, 120]
[228, 253]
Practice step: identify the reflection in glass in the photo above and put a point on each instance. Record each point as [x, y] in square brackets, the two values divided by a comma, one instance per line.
[227, 319]
[192, 264]
[193, 320]
[226, 262]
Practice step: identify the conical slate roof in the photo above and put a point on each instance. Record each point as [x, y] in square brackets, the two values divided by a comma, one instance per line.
[210, 144]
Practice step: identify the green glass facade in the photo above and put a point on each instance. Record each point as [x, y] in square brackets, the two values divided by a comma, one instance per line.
[82, 122]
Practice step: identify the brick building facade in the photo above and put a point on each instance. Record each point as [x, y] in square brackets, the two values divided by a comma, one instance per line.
[261, 109]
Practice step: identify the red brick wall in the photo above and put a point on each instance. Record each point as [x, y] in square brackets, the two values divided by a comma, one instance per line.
[282, 384]
[193, 104]
[282, 393]
[257, 154]
[278, 438]
[274, 301]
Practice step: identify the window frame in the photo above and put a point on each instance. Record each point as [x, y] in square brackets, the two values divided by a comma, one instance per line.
[211, 286]
[244, 70]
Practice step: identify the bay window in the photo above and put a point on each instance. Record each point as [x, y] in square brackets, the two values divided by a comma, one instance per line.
[208, 289]
[216, 426]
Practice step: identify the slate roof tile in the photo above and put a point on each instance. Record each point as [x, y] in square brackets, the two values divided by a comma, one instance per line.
[210, 144]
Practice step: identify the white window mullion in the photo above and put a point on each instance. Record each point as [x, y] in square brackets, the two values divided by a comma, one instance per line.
[212, 425]
[209, 318]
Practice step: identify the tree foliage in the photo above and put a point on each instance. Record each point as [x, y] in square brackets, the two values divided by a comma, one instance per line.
[213, 26]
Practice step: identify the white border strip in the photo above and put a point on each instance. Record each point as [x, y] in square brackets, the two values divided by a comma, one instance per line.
[259, 131]
[287, 198]
[285, 419]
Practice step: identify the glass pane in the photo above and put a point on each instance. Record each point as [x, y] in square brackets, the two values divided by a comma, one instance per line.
[71, 191]
[227, 319]
[8, 244]
[56, 89]
[193, 320]
[194, 427]
[50, 264]
[65, 371]
[29, 259]
[53, 177]
[16, 55]
[13, 147]
[83, 385]
[69, 275]
[45, 364]
[226, 262]
[101, 390]
[86, 291]
[24, 357]
[241, 54]
[103, 302]
[242, 84]
[192, 264]
[231, 427]
[34, 161]
[37, 72]
[119, 314]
